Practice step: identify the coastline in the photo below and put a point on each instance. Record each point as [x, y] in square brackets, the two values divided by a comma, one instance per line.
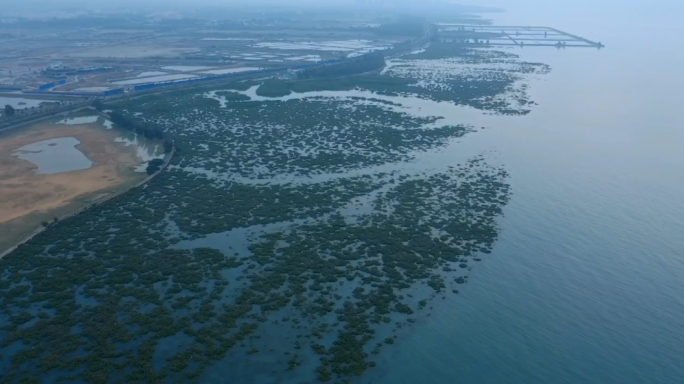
[96, 201]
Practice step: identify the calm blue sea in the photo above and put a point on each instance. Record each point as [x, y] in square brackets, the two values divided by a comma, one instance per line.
[586, 284]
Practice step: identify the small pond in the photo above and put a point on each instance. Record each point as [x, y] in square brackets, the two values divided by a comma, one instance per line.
[23, 103]
[55, 155]
[78, 120]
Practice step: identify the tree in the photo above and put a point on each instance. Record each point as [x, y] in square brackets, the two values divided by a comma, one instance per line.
[9, 110]
[168, 146]
[148, 130]
[154, 166]
[98, 105]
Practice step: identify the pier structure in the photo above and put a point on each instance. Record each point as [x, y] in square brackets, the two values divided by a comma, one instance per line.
[506, 35]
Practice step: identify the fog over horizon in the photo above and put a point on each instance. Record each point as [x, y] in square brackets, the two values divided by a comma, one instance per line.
[541, 8]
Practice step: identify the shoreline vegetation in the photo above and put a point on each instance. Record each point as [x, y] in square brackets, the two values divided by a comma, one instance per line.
[29, 198]
[285, 231]
[152, 171]
[480, 89]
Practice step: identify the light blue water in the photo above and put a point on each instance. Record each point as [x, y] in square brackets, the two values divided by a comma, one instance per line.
[586, 282]
[55, 155]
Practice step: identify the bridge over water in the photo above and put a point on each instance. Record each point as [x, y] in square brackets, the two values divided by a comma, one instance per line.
[506, 35]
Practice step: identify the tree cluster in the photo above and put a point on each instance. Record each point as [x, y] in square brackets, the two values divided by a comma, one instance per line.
[154, 166]
[98, 105]
[143, 128]
[100, 297]
[9, 110]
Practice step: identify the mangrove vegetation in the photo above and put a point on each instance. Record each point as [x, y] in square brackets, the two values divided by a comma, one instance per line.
[297, 238]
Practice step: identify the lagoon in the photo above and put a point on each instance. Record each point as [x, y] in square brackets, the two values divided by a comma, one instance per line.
[55, 155]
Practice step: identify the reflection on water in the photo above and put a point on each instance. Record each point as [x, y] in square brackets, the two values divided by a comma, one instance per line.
[145, 150]
[55, 155]
[108, 124]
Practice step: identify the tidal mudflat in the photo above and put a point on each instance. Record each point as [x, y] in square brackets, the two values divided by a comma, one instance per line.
[300, 228]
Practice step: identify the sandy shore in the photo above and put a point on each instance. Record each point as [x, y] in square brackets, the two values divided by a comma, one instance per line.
[27, 198]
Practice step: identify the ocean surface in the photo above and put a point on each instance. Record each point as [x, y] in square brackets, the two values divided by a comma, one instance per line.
[586, 283]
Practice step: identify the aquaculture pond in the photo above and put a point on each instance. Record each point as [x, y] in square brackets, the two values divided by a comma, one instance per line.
[293, 239]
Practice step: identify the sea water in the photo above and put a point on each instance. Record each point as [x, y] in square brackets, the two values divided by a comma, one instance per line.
[585, 283]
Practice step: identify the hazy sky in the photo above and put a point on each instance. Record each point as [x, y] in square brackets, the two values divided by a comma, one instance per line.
[541, 5]
[557, 8]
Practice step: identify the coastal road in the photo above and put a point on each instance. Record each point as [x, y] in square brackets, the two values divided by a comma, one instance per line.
[428, 32]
